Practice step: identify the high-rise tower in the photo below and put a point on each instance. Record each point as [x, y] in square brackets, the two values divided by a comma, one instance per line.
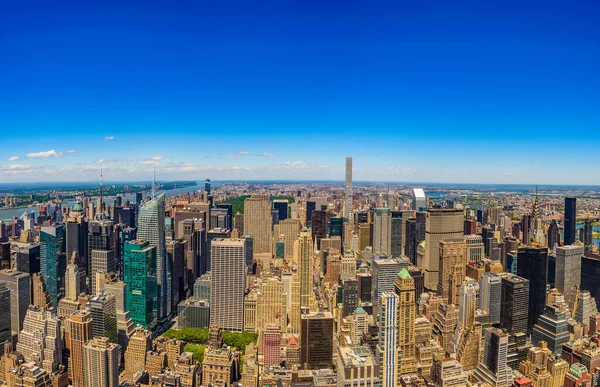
[570, 220]
[151, 228]
[305, 253]
[348, 203]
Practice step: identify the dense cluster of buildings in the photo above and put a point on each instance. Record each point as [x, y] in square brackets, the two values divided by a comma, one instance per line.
[340, 287]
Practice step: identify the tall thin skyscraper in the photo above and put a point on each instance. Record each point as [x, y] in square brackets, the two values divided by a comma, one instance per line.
[349, 194]
[151, 228]
[100, 255]
[404, 287]
[387, 348]
[258, 221]
[305, 252]
[490, 288]
[228, 283]
[382, 232]
[570, 220]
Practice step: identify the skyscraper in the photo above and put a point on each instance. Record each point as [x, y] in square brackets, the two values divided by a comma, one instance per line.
[52, 255]
[385, 272]
[387, 347]
[404, 287]
[20, 295]
[398, 223]
[490, 298]
[257, 222]
[40, 340]
[494, 368]
[349, 195]
[349, 296]
[452, 253]
[100, 240]
[382, 232]
[305, 253]
[228, 283]
[101, 363]
[514, 303]
[79, 326]
[567, 272]
[282, 208]
[5, 323]
[272, 345]
[104, 316]
[553, 235]
[570, 220]
[440, 224]
[140, 276]
[419, 200]
[532, 264]
[317, 340]
[151, 228]
[552, 327]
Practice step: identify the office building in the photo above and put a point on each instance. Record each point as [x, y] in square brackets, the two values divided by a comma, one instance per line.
[271, 345]
[447, 372]
[316, 340]
[319, 224]
[349, 296]
[553, 235]
[514, 307]
[257, 222]
[282, 209]
[140, 275]
[419, 200]
[452, 253]
[20, 295]
[441, 224]
[102, 261]
[101, 363]
[228, 283]
[475, 248]
[289, 228]
[567, 272]
[382, 232]
[304, 248]
[494, 368]
[357, 367]
[552, 328]
[28, 374]
[570, 220]
[490, 297]
[151, 228]
[40, 340]
[135, 355]
[79, 326]
[5, 323]
[348, 204]
[202, 287]
[52, 258]
[384, 274]
[102, 308]
[404, 287]
[100, 254]
[193, 313]
[532, 264]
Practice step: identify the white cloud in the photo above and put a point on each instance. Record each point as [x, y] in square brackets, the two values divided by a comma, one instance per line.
[269, 154]
[14, 158]
[109, 138]
[246, 153]
[105, 161]
[152, 160]
[50, 153]
[239, 154]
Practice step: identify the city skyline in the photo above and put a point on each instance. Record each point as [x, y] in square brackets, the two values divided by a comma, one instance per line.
[467, 93]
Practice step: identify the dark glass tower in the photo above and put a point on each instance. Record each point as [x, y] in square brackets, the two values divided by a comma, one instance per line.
[396, 234]
[553, 234]
[570, 220]
[532, 264]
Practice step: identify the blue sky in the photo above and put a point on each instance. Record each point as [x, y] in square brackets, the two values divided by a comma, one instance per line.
[414, 91]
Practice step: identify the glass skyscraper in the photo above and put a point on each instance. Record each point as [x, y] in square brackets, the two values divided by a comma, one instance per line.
[140, 276]
[151, 228]
[52, 255]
